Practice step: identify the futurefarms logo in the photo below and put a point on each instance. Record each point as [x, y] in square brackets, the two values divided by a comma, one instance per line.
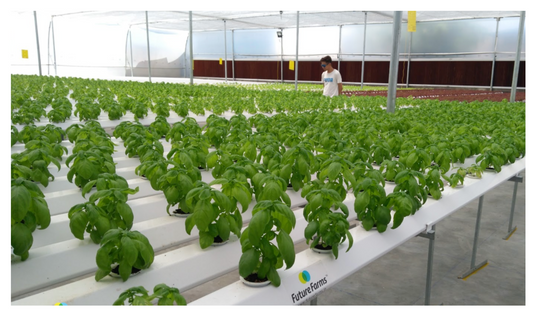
[60, 304]
[304, 278]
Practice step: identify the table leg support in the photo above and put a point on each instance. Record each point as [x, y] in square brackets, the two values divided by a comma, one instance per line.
[473, 267]
[512, 229]
[429, 275]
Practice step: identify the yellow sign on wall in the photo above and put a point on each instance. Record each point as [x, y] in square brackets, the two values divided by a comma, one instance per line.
[411, 21]
[291, 65]
[220, 61]
[25, 53]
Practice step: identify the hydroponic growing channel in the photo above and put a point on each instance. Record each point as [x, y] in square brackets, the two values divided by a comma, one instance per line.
[259, 169]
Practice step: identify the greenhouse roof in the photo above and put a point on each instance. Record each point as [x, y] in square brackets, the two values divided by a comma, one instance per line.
[213, 20]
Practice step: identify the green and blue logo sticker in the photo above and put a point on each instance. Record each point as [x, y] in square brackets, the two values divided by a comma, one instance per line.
[60, 304]
[304, 277]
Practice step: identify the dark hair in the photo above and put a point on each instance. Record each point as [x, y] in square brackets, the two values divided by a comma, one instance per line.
[326, 59]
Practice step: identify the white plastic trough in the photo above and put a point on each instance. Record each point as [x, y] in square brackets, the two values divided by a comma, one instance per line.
[69, 259]
[368, 246]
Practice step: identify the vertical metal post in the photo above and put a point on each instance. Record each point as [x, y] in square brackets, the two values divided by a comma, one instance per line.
[48, 54]
[476, 234]
[517, 57]
[54, 46]
[364, 47]
[190, 47]
[431, 249]
[297, 42]
[232, 55]
[281, 55]
[409, 58]
[511, 229]
[225, 55]
[473, 267]
[131, 53]
[393, 69]
[37, 38]
[494, 54]
[148, 46]
[340, 36]
[126, 52]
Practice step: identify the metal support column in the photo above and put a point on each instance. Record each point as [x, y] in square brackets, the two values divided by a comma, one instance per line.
[37, 38]
[190, 47]
[232, 55]
[364, 47]
[281, 55]
[225, 55]
[297, 41]
[340, 52]
[54, 46]
[430, 235]
[473, 266]
[494, 54]
[393, 69]
[516, 179]
[48, 54]
[517, 57]
[131, 53]
[126, 52]
[409, 59]
[148, 46]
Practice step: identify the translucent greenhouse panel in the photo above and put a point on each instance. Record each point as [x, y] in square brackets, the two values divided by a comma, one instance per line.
[314, 42]
[249, 44]
[460, 36]
[210, 45]
[378, 41]
[22, 37]
[89, 50]
[508, 39]
[167, 52]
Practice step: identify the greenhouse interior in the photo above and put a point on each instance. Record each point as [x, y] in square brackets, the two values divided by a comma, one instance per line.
[268, 158]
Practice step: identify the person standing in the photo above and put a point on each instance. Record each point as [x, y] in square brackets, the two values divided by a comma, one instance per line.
[331, 78]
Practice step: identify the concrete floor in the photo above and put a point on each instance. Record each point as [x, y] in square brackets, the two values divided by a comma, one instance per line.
[399, 277]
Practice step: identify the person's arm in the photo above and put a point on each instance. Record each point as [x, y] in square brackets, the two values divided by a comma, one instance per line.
[340, 88]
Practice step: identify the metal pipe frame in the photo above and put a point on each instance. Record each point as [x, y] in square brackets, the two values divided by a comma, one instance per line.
[131, 53]
[339, 55]
[297, 42]
[48, 52]
[190, 47]
[379, 54]
[148, 47]
[126, 51]
[225, 55]
[232, 55]
[517, 58]
[281, 55]
[54, 46]
[516, 179]
[393, 69]
[430, 235]
[409, 58]
[37, 38]
[473, 266]
[494, 56]
[364, 47]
